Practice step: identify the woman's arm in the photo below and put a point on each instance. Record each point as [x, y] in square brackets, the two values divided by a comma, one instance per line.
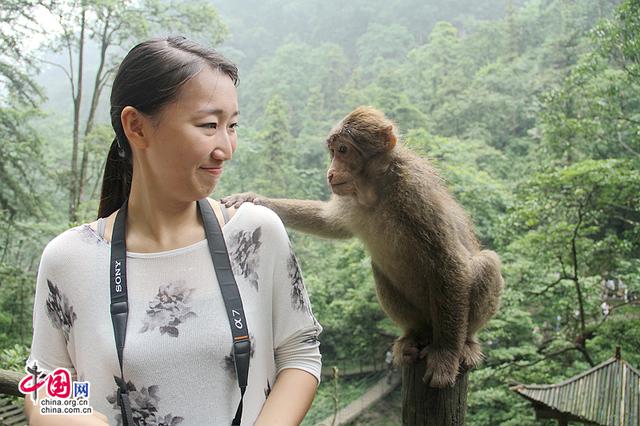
[289, 399]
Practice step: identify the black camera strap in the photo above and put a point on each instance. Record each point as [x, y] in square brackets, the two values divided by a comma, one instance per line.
[228, 288]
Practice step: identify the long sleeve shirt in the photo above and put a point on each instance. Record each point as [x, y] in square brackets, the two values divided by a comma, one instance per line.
[178, 351]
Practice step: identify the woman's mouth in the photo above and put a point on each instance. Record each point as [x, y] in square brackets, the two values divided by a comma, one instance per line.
[215, 171]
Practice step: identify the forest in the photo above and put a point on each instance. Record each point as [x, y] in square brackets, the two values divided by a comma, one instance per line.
[529, 109]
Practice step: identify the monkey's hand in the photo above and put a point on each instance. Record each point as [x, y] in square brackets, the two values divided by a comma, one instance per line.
[236, 200]
[407, 350]
[442, 367]
[471, 354]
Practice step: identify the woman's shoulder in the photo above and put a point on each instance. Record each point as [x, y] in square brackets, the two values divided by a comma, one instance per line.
[250, 215]
[73, 242]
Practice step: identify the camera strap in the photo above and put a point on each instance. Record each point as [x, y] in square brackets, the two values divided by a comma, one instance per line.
[228, 288]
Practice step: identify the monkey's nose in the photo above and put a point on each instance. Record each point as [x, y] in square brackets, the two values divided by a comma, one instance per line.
[330, 176]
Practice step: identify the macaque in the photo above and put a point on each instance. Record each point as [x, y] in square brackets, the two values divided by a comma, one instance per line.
[431, 276]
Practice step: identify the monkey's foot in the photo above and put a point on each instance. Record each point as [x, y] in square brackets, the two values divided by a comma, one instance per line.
[236, 200]
[471, 355]
[406, 350]
[442, 367]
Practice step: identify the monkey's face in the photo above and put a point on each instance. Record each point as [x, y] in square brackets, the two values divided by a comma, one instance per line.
[346, 165]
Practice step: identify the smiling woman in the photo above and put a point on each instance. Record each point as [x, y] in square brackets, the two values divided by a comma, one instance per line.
[159, 319]
[181, 149]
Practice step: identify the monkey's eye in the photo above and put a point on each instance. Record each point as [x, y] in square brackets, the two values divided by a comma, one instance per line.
[342, 149]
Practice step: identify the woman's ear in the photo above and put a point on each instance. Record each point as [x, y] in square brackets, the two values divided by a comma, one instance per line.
[135, 125]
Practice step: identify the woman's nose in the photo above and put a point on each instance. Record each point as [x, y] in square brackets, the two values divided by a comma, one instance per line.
[224, 148]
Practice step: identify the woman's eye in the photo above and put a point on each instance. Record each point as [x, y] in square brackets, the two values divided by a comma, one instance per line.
[342, 149]
[209, 125]
[234, 126]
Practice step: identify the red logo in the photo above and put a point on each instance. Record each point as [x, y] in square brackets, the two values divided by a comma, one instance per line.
[58, 383]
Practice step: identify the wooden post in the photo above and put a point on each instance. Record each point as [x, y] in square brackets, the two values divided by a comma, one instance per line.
[426, 406]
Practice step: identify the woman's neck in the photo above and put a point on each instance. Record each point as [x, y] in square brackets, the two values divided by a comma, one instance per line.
[158, 224]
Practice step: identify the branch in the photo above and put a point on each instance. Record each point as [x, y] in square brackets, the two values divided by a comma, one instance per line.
[66, 71]
[625, 220]
[624, 145]
[105, 79]
[564, 270]
[630, 120]
[71, 77]
[550, 286]
[113, 31]
[574, 254]
[515, 364]
[104, 45]
[630, 72]
[613, 308]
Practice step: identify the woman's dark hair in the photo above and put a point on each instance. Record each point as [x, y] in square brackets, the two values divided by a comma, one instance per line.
[149, 78]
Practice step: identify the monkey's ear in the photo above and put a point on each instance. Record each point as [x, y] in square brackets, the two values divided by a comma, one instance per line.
[391, 138]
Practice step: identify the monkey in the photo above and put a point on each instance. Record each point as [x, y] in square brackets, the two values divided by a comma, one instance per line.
[431, 276]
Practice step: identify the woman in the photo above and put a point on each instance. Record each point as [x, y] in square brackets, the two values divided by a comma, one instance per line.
[175, 113]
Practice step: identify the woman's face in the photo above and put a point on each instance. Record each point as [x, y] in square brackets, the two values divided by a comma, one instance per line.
[193, 136]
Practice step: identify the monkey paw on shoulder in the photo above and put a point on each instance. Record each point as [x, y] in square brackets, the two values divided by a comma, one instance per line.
[236, 200]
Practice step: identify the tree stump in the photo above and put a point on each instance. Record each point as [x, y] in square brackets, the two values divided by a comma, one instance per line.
[423, 405]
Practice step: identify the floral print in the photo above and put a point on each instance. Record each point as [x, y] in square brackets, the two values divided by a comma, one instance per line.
[267, 390]
[244, 252]
[60, 311]
[90, 236]
[144, 407]
[169, 309]
[297, 286]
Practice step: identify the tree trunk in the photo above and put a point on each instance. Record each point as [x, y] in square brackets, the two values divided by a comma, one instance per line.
[77, 101]
[95, 98]
[424, 405]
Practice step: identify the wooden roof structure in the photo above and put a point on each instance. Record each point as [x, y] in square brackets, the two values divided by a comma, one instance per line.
[607, 395]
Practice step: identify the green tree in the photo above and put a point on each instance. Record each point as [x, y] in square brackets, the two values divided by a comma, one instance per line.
[341, 289]
[292, 73]
[439, 74]
[572, 229]
[276, 174]
[384, 43]
[22, 170]
[596, 111]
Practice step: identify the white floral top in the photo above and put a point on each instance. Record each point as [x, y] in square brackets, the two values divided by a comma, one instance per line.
[177, 355]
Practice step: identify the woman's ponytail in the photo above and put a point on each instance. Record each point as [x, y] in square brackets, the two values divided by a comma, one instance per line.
[116, 181]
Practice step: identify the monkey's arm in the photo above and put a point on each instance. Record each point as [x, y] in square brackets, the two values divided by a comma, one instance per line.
[310, 216]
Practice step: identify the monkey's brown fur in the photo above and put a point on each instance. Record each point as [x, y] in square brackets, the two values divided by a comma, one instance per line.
[431, 276]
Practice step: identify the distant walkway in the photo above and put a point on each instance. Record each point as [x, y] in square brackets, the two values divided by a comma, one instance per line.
[350, 371]
[357, 407]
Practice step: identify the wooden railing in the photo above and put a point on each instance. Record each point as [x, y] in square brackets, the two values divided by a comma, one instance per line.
[9, 382]
[10, 413]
